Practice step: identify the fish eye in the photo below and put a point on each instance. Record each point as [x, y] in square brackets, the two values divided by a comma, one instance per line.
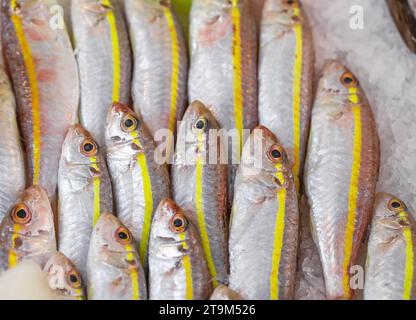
[21, 214]
[178, 223]
[200, 125]
[74, 279]
[89, 147]
[123, 235]
[348, 80]
[276, 153]
[396, 205]
[129, 123]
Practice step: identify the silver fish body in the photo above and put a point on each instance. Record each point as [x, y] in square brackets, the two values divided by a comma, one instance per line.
[199, 184]
[12, 173]
[160, 65]
[64, 278]
[139, 177]
[27, 232]
[84, 190]
[177, 266]
[286, 75]
[265, 221]
[104, 60]
[114, 269]
[43, 68]
[223, 68]
[390, 263]
[341, 172]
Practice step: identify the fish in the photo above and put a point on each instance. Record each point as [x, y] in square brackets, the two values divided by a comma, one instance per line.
[265, 221]
[222, 292]
[341, 173]
[41, 63]
[12, 160]
[139, 177]
[64, 278]
[114, 268]
[104, 61]
[27, 232]
[286, 75]
[199, 185]
[160, 67]
[178, 269]
[390, 266]
[84, 190]
[403, 13]
[223, 69]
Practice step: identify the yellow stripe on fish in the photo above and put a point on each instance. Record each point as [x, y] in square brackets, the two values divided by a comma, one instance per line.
[200, 213]
[96, 182]
[278, 235]
[34, 90]
[133, 273]
[115, 50]
[174, 77]
[13, 259]
[237, 73]
[408, 278]
[297, 84]
[353, 192]
[186, 260]
[148, 200]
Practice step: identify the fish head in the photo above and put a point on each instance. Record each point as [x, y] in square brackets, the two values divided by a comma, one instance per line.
[170, 230]
[64, 277]
[391, 212]
[124, 128]
[79, 147]
[285, 12]
[30, 222]
[113, 243]
[264, 154]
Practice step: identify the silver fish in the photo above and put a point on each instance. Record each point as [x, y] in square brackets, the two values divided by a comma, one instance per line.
[28, 232]
[341, 172]
[43, 68]
[199, 184]
[177, 266]
[403, 13]
[391, 266]
[286, 74]
[140, 179]
[12, 173]
[104, 60]
[265, 221]
[160, 65]
[223, 69]
[114, 269]
[84, 193]
[64, 278]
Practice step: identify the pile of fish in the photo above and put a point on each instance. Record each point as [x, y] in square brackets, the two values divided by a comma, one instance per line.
[119, 190]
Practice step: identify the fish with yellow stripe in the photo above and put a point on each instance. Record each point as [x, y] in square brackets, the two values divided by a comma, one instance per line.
[199, 185]
[139, 175]
[84, 191]
[391, 255]
[341, 172]
[178, 269]
[160, 66]
[43, 68]
[223, 69]
[265, 221]
[114, 268]
[286, 75]
[64, 278]
[104, 60]
[27, 232]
